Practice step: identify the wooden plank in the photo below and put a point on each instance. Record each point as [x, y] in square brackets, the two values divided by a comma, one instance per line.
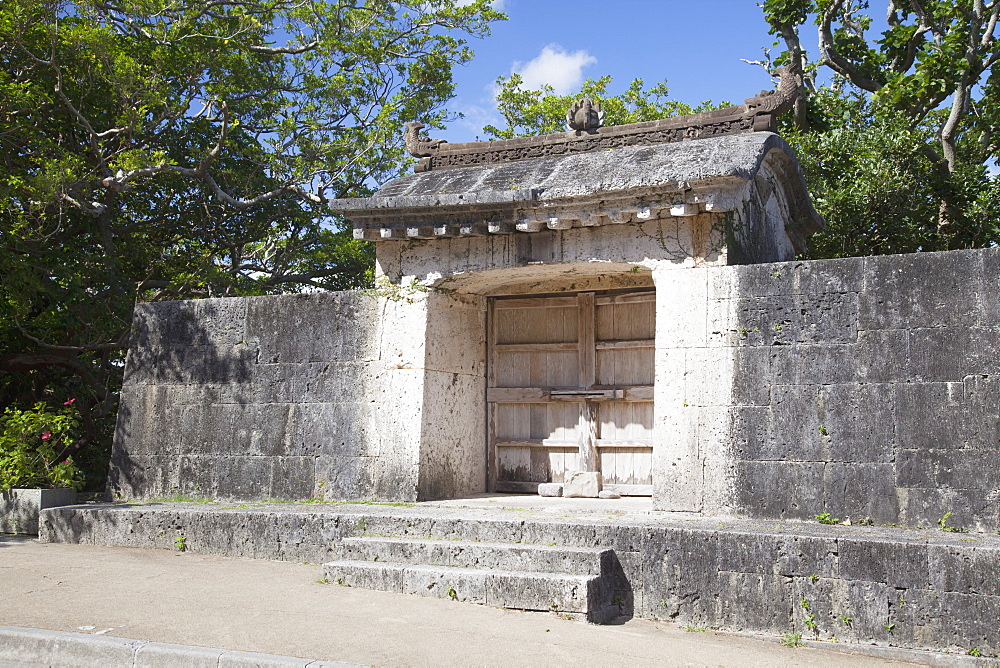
[588, 437]
[642, 464]
[639, 393]
[627, 298]
[629, 490]
[624, 466]
[492, 463]
[518, 487]
[516, 395]
[548, 443]
[557, 464]
[535, 302]
[625, 344]
[569, 346]
[585, 325]
[491, 447]
[607, 443]
[588, 395]
[607, 465]
[514, 464]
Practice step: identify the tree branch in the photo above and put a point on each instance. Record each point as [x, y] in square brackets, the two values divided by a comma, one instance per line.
[832, 57]
[286, 50]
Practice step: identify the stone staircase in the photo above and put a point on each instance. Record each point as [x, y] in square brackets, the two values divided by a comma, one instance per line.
[575, 581]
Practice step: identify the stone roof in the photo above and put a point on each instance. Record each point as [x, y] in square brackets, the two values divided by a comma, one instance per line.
[602, 187]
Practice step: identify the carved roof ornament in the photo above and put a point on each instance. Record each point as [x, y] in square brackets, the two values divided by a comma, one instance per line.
[584, 115]
[420, 145]
[776, 101]
[585, 119]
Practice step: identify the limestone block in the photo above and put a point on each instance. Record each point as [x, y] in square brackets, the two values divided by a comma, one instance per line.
[681, 303]
[677, 466]
[582, 484]
[942, 290]
[452, 435]
[550, 489]
[19, 508]
[456, 334]
[951, 353]
[608, 494]
[991, 286]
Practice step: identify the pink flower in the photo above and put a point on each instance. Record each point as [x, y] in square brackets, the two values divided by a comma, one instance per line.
[46, 434]
[67, 403]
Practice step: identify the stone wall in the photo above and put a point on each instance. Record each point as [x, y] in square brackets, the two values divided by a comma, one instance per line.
[872, 585]
[862, 387]
[296, 397]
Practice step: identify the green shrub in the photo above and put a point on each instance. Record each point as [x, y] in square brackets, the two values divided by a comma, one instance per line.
[33, 444]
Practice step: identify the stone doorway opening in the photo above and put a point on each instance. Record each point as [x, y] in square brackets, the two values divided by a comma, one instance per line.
[570, 388]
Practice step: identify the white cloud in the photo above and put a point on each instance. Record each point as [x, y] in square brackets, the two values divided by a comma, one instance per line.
[556, 67]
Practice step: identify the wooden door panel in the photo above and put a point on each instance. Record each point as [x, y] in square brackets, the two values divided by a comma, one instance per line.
[542, 369]
[627, 470]
[625, 366]
[620, 318]
[535, 324]
[571, 386]
[626, 422]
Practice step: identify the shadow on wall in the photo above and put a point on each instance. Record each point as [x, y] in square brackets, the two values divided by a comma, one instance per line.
[184, 357]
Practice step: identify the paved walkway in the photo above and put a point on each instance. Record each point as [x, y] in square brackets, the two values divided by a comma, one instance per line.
[280, 608]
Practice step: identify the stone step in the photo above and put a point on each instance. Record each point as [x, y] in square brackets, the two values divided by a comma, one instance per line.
[478, 555]
[585, 595]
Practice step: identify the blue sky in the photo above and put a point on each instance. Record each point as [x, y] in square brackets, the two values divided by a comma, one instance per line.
[696, 45]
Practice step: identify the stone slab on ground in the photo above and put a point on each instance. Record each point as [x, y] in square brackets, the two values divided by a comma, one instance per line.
[476, 554]
[19, 508]
[586, 484]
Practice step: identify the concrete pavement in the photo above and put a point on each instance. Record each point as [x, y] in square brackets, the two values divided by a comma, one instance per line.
[280, 608]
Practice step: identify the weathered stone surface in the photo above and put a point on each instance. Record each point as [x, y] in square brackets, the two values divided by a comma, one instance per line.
[302, 396]
[19, 508]
[937, 589]
[550, 489]
[513, 190]
[608, 494]
[582, 484]
[940, 289]
[859, 387]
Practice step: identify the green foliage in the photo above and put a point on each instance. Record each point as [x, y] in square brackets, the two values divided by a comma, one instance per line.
[154, 150]
[528, 113]
[33, 444]
[895, 146]
[826, 518]
[943, 523]
[791, 640]
[878, 189]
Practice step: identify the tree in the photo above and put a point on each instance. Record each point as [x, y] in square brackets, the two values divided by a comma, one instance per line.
[529, 113]
[910, 115]
[166, 149]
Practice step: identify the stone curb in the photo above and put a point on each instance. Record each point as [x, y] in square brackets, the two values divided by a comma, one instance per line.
[30, 647]
[916, 656]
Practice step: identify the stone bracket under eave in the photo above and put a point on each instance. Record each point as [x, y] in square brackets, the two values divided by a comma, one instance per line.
[449, 216]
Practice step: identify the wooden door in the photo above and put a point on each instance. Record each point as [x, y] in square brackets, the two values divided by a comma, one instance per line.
[571, 389]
